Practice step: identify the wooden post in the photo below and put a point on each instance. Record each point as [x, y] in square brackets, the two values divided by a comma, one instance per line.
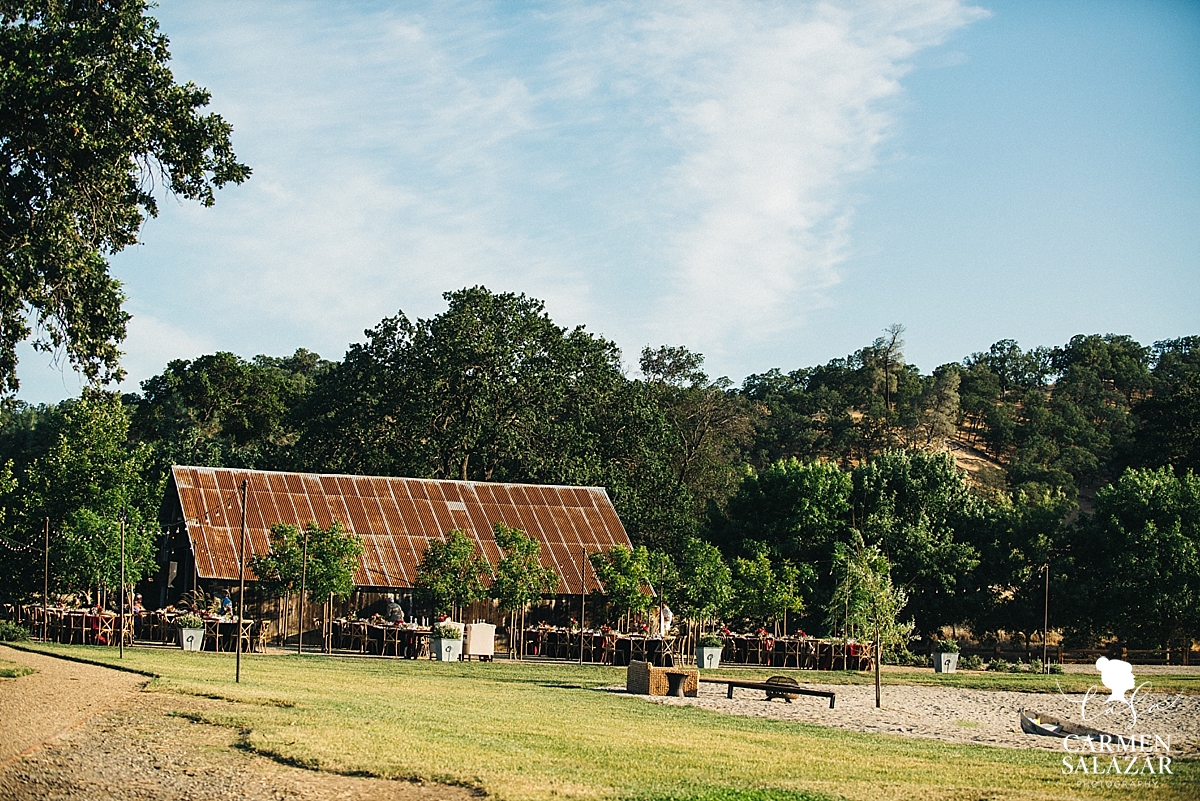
[878, 650]
[46, 583]
[300, 600]
[582, 600]
[241, 615]
[121, 608]
[1046, 622]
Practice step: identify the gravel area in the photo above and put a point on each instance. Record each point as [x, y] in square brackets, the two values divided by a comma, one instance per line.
[957, 715]
[55, 699]
[102, 740]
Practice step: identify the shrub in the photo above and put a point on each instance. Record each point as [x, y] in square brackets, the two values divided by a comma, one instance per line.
[189, 622]
[711, 640]
[1056, 669]
[998, 665]
[1035, 666]
[971, 662]
[444, 631]
[1018, 667]
[12, 632]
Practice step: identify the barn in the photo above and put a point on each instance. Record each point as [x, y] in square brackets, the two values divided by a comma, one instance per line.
[395, 517]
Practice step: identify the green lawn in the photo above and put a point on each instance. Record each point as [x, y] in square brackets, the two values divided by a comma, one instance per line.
[11, 670]
[542, 731]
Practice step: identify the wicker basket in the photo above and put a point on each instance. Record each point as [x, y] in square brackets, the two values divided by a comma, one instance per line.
[642, 678]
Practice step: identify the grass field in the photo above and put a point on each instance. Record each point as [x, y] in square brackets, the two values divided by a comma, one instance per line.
[11, 670]
[531, 731]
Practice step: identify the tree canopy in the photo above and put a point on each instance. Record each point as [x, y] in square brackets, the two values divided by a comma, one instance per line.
[451, 574]
[741, 502]
[92, 121]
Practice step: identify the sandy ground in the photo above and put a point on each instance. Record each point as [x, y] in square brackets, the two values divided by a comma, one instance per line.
[75, 731]
[58, 697]
[957, 715]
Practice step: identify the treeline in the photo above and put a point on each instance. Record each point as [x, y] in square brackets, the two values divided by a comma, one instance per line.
[1090, 447]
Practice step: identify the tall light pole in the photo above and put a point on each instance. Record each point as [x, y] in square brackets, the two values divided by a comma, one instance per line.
[1046, 622]
[300, 603]
[46, 583]
[878, 648]
[241, 615]
[121, 619]
[582, 600]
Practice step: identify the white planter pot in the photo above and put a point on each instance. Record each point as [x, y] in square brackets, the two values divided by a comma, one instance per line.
[708, 658]
[446, 650]
[191, 639]
[945, 662]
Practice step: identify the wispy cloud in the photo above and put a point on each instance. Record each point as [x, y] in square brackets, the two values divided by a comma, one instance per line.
[676, 175]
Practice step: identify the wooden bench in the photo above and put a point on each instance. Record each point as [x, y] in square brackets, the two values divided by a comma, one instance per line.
[783, 687]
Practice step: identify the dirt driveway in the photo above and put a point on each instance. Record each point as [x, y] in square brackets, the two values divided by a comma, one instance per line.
[76, 731]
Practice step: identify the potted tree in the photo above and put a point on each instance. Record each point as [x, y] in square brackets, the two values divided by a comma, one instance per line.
[447, 642]
[191, 632]
[708, 651]
[945, 658]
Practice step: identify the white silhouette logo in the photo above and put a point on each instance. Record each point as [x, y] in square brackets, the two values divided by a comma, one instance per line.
[1116, 675]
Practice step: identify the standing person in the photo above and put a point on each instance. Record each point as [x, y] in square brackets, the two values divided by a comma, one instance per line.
[227, 604]
[665, 619]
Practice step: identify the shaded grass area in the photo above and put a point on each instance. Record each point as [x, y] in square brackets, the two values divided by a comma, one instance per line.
[1187, 684]
[11, 670]
[529, 731]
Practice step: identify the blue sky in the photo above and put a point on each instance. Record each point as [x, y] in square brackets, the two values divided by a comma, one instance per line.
[769, 184]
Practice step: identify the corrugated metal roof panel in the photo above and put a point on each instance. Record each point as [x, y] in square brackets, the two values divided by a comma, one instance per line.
[396, 518]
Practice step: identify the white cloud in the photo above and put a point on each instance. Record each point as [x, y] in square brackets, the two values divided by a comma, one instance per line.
[680, 175]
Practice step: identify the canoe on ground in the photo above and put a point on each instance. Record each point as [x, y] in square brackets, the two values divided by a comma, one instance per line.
[1050, 726]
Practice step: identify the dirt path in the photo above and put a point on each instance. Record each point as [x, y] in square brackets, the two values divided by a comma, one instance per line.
[102, 739]
[58, 697]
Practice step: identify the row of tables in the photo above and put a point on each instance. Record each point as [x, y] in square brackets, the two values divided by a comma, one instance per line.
[805, 653]
[90, 627]
[83, 626]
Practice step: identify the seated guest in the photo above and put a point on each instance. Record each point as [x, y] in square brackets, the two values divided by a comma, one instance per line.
[138, 606]
[394, 613]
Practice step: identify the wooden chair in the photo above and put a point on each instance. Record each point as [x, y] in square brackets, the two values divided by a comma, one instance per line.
[259, 636]
[395, 638]
[75, 628]
[245, 630]
[54, 625]
[355, 638]
[609, 655]
[106, 630]
[637, 649]
[212, 635]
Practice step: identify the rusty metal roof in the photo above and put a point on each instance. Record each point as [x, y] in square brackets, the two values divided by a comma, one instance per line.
[396, 518]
